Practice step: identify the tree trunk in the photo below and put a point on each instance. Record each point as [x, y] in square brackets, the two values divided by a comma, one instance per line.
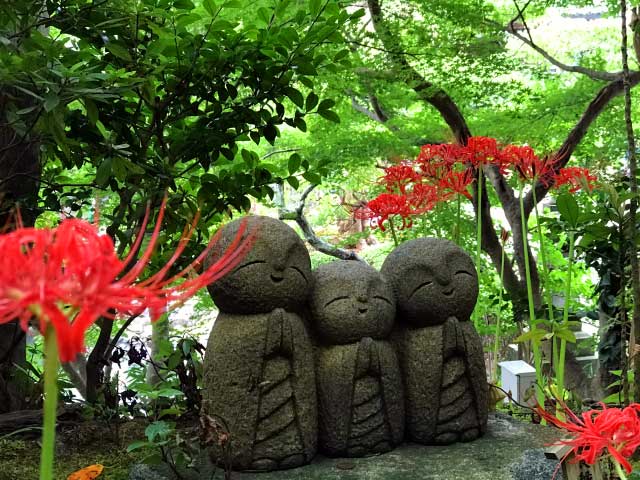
[96, 362]
[159, 334]
[19, 183]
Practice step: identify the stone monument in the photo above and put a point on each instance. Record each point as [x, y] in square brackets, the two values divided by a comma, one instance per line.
[259, 373]
[440, 352]
[360, 401]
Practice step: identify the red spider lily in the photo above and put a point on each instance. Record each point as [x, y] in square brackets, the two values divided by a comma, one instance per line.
[424, 197]
[436, 161]
[457, 182]
[612, 429]
[577, 177]
[528, 165]
[397, 177]
[482, 151]
[69, 276]
[387, 205]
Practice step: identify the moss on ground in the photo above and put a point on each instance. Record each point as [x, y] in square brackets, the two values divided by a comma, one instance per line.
[84, 445]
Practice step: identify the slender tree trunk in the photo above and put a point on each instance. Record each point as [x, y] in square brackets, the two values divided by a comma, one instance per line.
[19, 182]
[159, 334]
[96, 361]
[634, 337]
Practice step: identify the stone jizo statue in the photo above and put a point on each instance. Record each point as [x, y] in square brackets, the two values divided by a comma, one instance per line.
[441, 358]
[259, 372]
[360, 401]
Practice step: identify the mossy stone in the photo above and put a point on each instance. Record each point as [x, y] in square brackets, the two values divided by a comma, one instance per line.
[441, 355]
[275, 273]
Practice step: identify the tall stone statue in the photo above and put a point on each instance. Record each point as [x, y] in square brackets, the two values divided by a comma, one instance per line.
[441, 356]
[360, 400]
[259, 374]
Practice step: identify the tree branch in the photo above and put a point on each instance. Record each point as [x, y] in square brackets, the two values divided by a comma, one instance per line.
[426, 91]
[316, 242]
[595, 108]
[376, 113]
[594, 74]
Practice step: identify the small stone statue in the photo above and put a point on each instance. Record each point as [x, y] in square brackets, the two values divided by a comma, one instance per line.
[360, 400]
[259, 375]
[441, 356]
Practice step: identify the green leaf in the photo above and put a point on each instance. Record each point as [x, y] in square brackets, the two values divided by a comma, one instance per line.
[159, 429]
[137, 445]
[169, 411]
[119, 51]
[314, 7]
[326, 104]
[24, 111]
[103, 173]
[183, 5]
[294, 182]
[536, 335]
[92, 110]
[210, 7]
[51, 101]
[294, 163]
[270, 133]
[249, 157]
[312, 101]
[295, 96]
[103, 131]
[565, 333]
[264, 14]
[329, 115]
[311, 177]
[568, 208]
[282, 6]
[306, 68]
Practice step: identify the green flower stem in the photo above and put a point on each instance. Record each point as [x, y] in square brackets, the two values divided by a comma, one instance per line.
[619, 469]
[496, 346]
[565, 317]
[479, 237]
[50, 404]
[545, 277]
[537, 355]
[457, 235]
[393, 231]
[543, 258]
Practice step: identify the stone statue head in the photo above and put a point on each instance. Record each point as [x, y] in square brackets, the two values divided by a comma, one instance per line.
[350, 300]
[433, 279]
[275, 273]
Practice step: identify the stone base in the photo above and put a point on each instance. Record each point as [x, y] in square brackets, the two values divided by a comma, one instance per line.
[492, 457]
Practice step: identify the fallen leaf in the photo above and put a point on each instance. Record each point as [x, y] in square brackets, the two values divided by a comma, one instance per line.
[87, 473]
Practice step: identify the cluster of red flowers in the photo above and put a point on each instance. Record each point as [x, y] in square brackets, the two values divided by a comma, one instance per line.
[441, 172]
[576, 177]
[69, 276]
[611, 430]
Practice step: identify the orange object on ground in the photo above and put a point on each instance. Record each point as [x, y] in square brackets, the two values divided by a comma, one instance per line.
[87, 473]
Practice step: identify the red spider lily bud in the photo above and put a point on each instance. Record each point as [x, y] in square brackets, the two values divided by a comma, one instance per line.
[504, 235]
[70, 275]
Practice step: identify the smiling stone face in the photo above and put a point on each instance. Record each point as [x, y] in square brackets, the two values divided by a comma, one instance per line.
[276, 272]
[433, 279]
[351, 300]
